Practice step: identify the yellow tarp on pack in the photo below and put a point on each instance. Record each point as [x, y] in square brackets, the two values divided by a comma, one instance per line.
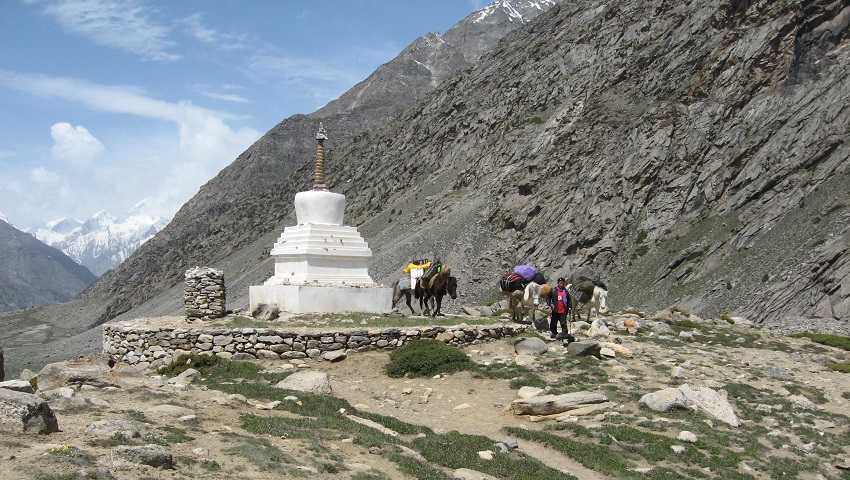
[411, 266]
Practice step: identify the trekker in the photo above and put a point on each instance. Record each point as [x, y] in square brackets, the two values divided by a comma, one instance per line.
[559, 301]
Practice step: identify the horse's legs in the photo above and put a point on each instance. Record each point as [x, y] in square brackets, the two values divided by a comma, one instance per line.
[439, 298]
[427, 309]
[407, 295]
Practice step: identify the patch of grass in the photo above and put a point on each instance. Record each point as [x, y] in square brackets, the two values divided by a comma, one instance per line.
[117, 438]
[135, 415]
[456, 450]
[687, 324]
[425, 358]
[836, 341]
[370, 476]
[347, 320]
[843, 367]
[595, 457]
[578, 374]
[68, 451]
[259, 452]
[415, 468]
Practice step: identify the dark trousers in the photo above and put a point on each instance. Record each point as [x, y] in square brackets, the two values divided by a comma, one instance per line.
[555, 320]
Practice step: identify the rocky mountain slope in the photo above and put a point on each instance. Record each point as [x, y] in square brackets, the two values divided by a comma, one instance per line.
[694, 153]
[33, 274]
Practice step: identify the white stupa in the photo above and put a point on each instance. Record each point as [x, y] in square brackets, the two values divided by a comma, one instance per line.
[321, 265]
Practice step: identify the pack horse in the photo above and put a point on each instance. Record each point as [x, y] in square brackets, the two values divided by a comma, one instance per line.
[591, 293]
[524, 289]
[428, 282]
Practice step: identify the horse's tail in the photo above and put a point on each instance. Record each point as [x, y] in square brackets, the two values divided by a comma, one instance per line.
[396, 293]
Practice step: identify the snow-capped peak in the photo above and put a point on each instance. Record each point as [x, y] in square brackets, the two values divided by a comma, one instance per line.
[103, 241]
[512, 8]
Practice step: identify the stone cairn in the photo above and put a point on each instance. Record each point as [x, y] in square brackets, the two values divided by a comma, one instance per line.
[204, 293]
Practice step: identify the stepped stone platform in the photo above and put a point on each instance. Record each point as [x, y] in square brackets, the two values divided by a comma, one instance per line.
[152, 342]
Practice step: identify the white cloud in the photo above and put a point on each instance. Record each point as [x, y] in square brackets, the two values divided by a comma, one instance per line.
[44, 176]
[196, 29]
[228, 97]
[74, 144]
[119, 24]
[168, 165]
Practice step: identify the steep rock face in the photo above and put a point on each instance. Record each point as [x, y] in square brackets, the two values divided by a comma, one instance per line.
[695, 153]
[33, 274]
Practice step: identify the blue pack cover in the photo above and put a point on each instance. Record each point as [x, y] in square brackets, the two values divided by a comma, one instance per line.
[527, 272]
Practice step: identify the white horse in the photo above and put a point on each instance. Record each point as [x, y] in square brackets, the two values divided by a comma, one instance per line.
[527, 299]
[598, 300]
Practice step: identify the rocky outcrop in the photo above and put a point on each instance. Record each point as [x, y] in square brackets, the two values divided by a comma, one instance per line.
[26, 412]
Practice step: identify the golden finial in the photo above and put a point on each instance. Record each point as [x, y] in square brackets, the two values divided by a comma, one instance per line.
[319, 171]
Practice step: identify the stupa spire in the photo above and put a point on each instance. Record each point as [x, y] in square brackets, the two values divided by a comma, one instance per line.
[319, 169]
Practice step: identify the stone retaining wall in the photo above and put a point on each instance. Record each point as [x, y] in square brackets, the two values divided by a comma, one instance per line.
[150, 347]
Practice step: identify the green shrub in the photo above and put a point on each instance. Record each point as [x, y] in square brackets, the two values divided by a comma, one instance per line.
[185, 362]
[687, 324]
[424, 358]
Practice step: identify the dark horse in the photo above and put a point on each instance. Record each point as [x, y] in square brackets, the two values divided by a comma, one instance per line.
[440, 285]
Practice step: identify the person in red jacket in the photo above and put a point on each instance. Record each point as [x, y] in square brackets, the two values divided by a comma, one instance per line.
[559, 301]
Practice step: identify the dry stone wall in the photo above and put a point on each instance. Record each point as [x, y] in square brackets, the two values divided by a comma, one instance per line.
[150, 347]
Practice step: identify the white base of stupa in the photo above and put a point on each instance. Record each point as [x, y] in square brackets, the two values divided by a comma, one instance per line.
[323, 298]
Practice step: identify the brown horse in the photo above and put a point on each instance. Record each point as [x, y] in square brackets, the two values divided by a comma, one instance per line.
[439, 286]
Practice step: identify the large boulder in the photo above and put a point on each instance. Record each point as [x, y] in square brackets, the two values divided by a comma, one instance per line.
[90, 371]
[26, 412]
[702, 399]
[307, 381]
[152, 455]
[530, 346]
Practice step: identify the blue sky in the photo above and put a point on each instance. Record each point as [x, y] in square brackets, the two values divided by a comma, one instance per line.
[106, 103]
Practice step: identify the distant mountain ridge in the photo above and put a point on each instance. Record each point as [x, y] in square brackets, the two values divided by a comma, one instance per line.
[102, 242]
[33, 274]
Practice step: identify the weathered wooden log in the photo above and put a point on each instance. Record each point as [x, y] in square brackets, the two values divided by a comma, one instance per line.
[552, 404]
